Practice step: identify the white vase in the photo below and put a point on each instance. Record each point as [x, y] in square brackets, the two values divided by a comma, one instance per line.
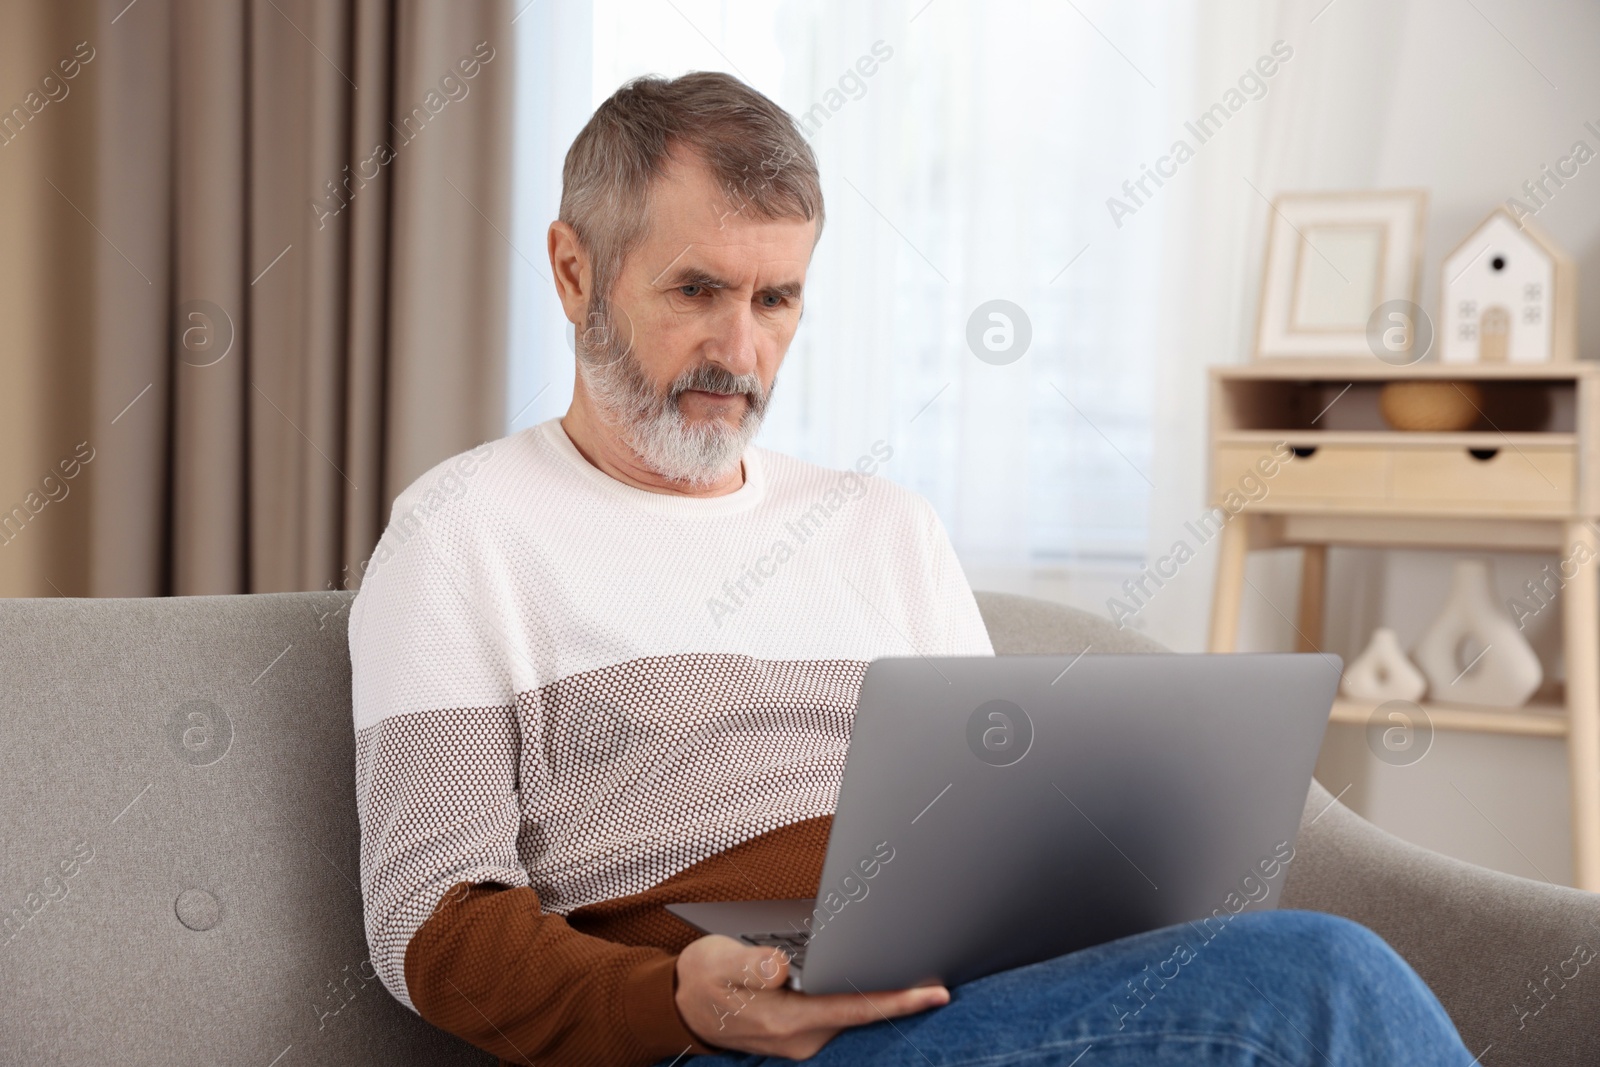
[1382, 672]
[1474, 653]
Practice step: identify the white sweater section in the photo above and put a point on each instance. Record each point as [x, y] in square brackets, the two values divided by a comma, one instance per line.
[564, 682]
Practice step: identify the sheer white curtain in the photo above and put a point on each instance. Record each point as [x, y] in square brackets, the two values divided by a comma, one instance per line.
[1317, 125]
[973, 163]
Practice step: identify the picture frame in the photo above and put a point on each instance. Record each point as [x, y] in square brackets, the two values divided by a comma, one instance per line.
[1332, 259]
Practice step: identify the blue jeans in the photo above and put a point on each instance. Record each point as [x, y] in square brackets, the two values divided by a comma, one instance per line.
[1278, 988]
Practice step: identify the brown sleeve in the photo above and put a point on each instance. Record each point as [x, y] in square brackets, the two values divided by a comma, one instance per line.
[490, 967]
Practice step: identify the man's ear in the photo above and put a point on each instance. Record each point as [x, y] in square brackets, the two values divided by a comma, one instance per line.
[571, 269]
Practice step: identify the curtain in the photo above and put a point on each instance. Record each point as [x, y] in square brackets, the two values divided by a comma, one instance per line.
[966, 151]
[254, 282]
[962, 199]
[1313, 128]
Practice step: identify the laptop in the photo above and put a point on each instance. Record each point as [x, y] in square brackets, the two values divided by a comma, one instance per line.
[1000, 811]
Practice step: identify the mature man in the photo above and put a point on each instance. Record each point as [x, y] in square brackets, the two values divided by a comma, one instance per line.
[610, 663]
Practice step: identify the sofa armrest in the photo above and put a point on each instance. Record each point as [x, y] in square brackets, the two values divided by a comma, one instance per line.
[1515, 962]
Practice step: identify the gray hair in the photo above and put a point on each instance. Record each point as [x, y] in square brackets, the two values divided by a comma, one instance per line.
[754, 150]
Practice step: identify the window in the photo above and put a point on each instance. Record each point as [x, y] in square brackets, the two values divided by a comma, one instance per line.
[972, 164]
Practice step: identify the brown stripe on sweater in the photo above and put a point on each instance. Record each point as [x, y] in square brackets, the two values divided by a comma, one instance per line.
[532, 987]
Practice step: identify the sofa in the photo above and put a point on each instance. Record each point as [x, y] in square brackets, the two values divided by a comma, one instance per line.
[180, 871]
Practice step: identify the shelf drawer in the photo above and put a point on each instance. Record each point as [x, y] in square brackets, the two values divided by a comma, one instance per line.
[1511, 478]
[1336, 474]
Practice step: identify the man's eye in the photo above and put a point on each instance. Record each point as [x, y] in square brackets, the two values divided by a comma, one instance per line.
[691, 290]
[771, 300]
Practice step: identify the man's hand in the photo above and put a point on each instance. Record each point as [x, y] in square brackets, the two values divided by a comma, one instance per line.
[732, 996]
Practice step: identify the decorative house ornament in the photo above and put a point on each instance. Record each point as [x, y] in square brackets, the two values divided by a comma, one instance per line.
[1508, 296]
[1431, 406]
[1332, 260]
[1474, 653]
[1382, 672]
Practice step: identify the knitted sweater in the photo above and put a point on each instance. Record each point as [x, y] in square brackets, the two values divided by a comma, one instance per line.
[577, 701]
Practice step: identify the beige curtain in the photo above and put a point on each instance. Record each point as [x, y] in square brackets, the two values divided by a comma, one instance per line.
[252, 282]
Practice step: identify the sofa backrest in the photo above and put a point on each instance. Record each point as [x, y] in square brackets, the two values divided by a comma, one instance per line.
[1022, 625]
[179, 861]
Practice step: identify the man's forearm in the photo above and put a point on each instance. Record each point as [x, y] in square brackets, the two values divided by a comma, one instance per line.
[491, 968]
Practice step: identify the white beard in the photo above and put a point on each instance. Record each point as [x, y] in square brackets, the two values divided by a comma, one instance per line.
[651, 423]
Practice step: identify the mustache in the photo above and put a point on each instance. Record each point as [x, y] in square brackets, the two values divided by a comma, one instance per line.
[710, 378]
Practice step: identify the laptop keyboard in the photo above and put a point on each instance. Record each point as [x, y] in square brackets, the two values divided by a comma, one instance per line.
[793, 945]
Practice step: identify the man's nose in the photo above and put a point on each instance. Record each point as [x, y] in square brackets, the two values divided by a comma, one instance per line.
[733, 342]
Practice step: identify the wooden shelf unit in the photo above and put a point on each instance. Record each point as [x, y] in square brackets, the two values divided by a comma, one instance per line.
[1526, 478]
[1532, 720]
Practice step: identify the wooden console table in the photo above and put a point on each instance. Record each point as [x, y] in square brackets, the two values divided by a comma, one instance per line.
[1530, 482]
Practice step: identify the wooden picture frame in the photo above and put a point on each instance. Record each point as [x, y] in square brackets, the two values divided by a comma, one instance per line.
[1332, 258]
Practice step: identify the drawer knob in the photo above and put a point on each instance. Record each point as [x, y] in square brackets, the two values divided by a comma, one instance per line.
[1483, 455]
[1304, 451]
